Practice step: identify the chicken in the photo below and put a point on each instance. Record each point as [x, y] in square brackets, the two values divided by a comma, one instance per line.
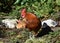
[32, 22]
[9, 23]
[20, 24]
[50, 23]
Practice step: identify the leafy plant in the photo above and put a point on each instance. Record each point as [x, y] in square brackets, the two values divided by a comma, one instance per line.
[40, 8]
[6, 5]
[58, 2]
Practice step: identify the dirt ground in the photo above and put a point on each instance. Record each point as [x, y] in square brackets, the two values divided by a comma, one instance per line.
[55, 28]
[20, 36]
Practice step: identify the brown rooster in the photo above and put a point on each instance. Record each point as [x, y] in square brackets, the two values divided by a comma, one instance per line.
[32, 22]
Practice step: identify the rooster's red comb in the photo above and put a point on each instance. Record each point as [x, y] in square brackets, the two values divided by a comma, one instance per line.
[23, 13]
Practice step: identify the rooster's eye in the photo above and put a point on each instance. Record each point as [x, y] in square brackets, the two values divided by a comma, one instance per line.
[23, 16]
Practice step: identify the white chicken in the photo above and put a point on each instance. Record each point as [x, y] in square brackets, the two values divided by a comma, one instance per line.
[10, 23]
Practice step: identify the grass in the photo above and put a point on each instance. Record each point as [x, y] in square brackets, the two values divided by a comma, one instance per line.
[52, 37]
[22, 36]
